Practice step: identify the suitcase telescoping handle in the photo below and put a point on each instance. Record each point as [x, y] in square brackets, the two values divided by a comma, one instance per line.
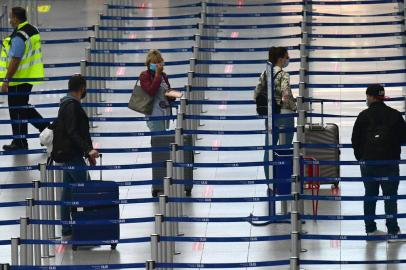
[321, 111]
[101, 164]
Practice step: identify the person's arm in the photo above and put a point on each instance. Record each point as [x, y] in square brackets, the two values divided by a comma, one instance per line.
[16, 54]
[357, 138]
[148, 85]
[286, 91]
[401, 129]
[71, 125]
[261, 86]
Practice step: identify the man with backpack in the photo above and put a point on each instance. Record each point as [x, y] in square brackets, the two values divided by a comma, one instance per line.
[72, 141]
[378, 134]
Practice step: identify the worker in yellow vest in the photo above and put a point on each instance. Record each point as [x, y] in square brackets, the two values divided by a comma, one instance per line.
[21, 67]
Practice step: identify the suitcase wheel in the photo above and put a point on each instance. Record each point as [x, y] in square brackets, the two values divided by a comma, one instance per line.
[74, 248]
[155, 193]
[113, 246]
[188, 193]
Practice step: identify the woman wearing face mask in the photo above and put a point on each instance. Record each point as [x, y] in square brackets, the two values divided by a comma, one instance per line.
[284, 100]
[155, 82]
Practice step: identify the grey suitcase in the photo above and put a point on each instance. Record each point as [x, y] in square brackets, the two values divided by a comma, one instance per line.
[160, 173]
[324, 134]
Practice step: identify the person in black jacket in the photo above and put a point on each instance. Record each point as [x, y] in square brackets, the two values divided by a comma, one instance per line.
[378, 134]
[72, 141]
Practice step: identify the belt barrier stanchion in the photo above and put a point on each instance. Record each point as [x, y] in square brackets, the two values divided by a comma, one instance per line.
[159, 219]
[179, 140]
[199, 67]
[108, 45]
[150, 265]
[44, 210]
[168, 189]
[304, 65]
[282, 141]
[90, 97]
[295, 215]
[3, 35]
[192, 96]
[403, 29]
[94, 72]
[99, 72]
[15, 241]
[188, 108]
[23, 235]
[103, 57]
[203, 68]
[29, 248]
[155, 248]
[58, 192]
[173, 157]
[300, 135]
[36, 227]
[51, 209]
[84, 72]
[166, 229]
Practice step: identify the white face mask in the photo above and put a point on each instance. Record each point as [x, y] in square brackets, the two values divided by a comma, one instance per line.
[286, 64]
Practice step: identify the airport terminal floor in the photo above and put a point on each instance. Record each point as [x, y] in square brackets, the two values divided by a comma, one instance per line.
[214, 52]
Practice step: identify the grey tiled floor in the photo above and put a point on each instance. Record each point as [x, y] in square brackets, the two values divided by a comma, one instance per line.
[221, 252]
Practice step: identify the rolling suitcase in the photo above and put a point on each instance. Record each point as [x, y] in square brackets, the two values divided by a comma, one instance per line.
[96, 232]
[160, 173]
[324, 134]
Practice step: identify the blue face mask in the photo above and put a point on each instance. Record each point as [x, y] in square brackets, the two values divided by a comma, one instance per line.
[152, 67]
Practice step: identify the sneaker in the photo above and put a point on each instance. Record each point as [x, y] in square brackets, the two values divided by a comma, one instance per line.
[394, 237]
[14, 146]
[376, 233]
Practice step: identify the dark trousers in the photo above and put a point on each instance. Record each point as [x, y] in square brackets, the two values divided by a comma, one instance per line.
[71, 177]
[389, 188]
[26, 113]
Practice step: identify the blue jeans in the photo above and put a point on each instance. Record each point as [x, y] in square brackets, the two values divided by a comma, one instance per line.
[389, 188]
[159, 125]
[279, 123]
[70, 177]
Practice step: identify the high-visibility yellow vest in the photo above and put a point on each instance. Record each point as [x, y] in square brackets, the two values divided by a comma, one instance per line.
[31, 65]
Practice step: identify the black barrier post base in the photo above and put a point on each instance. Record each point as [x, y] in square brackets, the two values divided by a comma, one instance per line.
[271, 213]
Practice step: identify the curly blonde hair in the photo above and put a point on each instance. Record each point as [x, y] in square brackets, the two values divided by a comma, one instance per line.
[154, 56]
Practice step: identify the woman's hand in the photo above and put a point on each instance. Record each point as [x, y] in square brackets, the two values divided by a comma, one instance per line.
[159, 69]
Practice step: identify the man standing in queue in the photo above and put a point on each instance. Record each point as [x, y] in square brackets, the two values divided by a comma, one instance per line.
[378, 134]
[20, 61]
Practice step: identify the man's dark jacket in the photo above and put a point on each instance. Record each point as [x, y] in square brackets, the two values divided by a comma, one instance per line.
[71, 131]
[381, 114]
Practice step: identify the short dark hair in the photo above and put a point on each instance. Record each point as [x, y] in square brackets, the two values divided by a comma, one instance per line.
[275, 53]
[20, 13]
[76, 82]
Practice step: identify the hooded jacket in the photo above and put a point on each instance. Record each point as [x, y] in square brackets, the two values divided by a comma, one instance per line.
[71, 131]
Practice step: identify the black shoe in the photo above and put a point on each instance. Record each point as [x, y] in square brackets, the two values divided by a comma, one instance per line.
[15, 146]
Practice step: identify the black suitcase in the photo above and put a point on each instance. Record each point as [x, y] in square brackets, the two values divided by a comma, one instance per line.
[324, 134]
[159, 174]
[96, 232]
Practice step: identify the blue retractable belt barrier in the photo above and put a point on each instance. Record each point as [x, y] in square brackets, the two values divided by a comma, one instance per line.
[354, 15]
[250, 38]
[65, 41]
[354, 24]
[148, 28]
[255, 15]
[177, 50]
[127, 18]
[394, 34]
[160, 39]
[256, 26]
[66, 29]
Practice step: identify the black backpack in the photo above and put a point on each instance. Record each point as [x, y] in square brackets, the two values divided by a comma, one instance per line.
[261, 101]
[379, 138]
